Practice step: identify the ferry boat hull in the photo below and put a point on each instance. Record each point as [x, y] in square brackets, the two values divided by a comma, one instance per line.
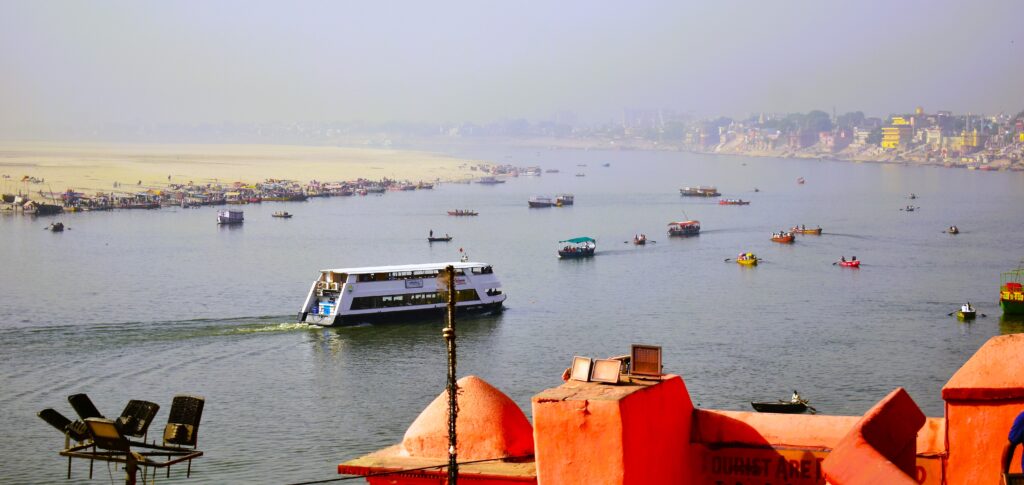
[350, 296]
[1011, 307]
[425, 314]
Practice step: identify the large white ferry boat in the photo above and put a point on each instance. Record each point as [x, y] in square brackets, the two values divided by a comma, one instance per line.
[349, 296]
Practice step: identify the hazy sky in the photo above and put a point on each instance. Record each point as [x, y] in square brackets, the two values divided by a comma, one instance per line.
[244, 61]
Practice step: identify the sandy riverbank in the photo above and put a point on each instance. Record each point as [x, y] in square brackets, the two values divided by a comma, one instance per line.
[96, 166]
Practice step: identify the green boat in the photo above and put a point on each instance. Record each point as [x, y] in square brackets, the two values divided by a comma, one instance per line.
[1011, 296]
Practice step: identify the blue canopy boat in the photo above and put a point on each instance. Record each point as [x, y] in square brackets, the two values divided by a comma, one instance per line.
[577, 247]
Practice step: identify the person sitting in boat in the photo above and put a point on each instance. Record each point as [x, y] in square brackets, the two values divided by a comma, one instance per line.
[431, 233]
[853, 258]
[966, 308]
[796, 398]
[842, 259]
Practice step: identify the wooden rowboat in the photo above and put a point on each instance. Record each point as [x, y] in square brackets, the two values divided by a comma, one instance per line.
[749, 259]
[783, 407]
[785, 238]
[439, 239]
[816, 231]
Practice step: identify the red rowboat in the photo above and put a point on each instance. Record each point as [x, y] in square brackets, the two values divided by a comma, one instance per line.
[783, 237]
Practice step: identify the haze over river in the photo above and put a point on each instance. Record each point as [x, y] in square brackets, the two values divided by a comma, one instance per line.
[149, 304]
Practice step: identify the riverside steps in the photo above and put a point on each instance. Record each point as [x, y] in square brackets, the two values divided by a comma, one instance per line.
[646, 430]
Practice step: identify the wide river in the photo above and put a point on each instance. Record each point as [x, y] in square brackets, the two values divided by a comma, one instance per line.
[149, 304]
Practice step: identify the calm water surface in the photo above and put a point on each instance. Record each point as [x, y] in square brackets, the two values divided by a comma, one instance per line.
[145, 305]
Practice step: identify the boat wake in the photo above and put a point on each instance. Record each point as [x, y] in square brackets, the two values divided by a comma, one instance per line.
[160, 330]
[272, 327]
[853, 236]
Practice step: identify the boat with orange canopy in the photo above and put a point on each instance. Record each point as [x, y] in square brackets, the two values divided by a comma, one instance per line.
[684, 228]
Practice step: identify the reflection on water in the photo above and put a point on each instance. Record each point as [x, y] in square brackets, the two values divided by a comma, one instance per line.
[1011, 324]
[383, 338]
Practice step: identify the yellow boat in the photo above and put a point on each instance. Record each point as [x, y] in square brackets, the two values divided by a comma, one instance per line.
[747, 259]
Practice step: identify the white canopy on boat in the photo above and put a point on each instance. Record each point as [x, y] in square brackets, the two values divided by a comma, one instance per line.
[407, 267]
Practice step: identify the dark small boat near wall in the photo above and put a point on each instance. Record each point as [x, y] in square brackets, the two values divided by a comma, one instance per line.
[780, 407]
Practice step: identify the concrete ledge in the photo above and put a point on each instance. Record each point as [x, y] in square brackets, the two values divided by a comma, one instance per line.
[881, 447]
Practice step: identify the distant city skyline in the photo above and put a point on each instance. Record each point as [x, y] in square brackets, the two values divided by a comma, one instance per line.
[70, 64]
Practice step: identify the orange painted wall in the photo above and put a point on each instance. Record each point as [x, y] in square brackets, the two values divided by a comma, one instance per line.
[639, 438]
[977, 432]
[748, 448]
[657, 433]
[881, 447]
[982, 399]
[578, 442]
